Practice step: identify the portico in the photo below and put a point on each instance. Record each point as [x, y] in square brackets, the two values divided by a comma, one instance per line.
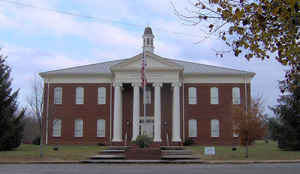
[159, 73]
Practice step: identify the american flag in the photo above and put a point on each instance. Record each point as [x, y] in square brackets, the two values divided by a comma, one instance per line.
[143, 77]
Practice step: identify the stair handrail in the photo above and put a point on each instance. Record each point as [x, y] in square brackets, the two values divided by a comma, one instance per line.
[125, 139]
[167, 139]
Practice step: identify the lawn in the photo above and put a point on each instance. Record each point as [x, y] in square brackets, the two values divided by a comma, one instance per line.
[259, 151]
[28, 152]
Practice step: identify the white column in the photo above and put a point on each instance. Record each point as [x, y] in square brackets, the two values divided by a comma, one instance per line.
[157, 113]
[136, 110]
[176, 113]
[117, 126]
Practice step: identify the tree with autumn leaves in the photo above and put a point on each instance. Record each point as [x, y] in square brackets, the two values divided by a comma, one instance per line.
[249, 122]
[262, 29]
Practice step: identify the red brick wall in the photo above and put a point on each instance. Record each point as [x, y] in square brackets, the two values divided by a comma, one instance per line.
[90, 111]
[68, 112]
[204, 112]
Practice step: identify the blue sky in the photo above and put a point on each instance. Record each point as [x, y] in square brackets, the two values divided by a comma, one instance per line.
[38, 40]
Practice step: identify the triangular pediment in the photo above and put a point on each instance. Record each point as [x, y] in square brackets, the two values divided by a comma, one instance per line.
[153, 62]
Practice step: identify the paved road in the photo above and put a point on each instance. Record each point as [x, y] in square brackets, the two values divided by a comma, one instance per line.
[147, 169]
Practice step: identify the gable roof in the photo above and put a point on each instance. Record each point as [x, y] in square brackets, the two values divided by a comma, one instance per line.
[188, 68]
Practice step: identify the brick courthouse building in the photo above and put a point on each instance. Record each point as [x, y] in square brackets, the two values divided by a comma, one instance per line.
[103, 102]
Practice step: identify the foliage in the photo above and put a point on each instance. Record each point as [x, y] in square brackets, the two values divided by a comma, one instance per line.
[188, 141]
[143, 141]
[288, 111]
[274, 126]
[31, 128]
[249, 124]
[260, 28]
[11, 121]
[36, 140]
[101, 144]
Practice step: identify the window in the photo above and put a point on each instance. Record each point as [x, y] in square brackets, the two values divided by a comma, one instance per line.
[148, 96]
[192, 95]
[215, 128]
[79, 95]
[236, 97]
[78, 128]
[214, 95]
[102, 95]
[148, 41]
[56, 131]
[100, 128]
[192, 128]
[58, 95]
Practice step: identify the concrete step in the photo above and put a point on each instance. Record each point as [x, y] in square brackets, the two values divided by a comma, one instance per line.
[115, 156]
[112, 151]
[171, 147]
[176, 152]
[179, 157]
[117, 147]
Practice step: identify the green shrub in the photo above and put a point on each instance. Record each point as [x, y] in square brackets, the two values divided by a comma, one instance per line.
[101, 144]
[143, 141]
[36, 140]
[188, 142]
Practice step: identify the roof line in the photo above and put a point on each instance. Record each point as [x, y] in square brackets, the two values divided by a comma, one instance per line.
[82, 66]
[207, 65]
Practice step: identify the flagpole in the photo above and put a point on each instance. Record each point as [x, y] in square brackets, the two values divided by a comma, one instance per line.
[144, 96]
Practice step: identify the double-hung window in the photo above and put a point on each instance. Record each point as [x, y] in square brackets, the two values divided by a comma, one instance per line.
[214, 95]
[56, 131]
[215, 128]
[102, 95]
[192, 95]
[78, 128]
[236, 97]
[58, 95]
[101, 128]
[79, 95]
[192, 128]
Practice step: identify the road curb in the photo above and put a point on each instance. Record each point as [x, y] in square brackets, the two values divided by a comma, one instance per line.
[154, 162]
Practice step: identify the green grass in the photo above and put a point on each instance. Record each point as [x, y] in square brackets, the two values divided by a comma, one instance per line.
[259, 151]
[28, 152]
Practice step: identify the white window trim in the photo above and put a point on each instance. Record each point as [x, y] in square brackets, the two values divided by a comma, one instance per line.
[215, 128]
[214, 95]
[193, 131]
[102, 95]
[56, 128]
[80, 134]
[58, 95]
[100, 130]
[192, 93]
[79, 99]
[236, 96]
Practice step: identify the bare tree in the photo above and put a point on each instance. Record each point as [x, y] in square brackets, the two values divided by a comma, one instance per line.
[35, 100]
[36, 104]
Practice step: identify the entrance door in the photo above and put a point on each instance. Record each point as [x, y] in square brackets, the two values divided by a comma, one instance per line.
[148, 128]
